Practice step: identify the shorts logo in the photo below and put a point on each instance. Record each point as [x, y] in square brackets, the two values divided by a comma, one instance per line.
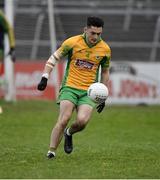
[84, 64]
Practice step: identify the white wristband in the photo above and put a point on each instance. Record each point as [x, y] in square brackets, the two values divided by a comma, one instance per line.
[46, 75]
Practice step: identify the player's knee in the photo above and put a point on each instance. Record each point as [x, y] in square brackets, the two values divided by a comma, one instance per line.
[63, 120]
[82, 118]
[65, 116]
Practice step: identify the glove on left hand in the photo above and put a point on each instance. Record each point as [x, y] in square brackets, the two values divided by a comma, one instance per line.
[100, 107]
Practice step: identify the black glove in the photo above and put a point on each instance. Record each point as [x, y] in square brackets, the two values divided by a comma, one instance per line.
[43, 84]
[100, 107]
[12, 54]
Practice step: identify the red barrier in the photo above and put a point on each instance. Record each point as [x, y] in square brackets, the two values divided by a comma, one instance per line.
[27, 76]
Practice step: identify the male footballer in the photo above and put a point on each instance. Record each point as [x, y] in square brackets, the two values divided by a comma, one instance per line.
[86, 53]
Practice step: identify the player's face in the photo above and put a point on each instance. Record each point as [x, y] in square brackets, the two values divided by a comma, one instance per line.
[93, 34]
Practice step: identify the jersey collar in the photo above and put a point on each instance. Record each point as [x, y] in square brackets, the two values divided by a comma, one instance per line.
[89, 45]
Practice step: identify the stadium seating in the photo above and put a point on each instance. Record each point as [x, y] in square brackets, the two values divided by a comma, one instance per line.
[133, 43]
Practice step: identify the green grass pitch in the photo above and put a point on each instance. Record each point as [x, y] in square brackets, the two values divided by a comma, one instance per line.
[121, 142]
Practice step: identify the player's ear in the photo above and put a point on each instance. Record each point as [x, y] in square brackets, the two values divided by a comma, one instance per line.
[85, 29]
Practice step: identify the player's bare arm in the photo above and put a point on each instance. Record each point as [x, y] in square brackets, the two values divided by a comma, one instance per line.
[105, 76]
[50, 63]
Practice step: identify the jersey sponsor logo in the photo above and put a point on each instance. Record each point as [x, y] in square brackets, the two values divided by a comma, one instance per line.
[84, 64]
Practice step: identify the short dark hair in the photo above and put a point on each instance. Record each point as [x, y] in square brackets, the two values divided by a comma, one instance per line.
[95, 21]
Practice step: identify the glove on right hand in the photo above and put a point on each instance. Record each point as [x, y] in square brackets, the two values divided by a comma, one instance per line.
[43, 84]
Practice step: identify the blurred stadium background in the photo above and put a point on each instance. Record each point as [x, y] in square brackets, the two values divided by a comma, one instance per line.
[132, 29]
[129, 24]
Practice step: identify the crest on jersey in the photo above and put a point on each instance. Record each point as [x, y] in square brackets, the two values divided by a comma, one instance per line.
[88, 53]
[98, 57]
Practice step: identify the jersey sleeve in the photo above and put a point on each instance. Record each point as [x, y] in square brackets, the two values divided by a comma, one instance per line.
[66, 47]
[105, 62]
